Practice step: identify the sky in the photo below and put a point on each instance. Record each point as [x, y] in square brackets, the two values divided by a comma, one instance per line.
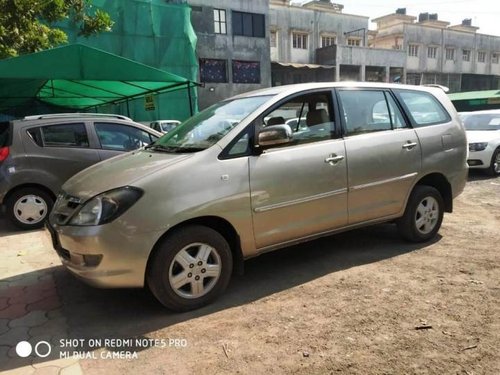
[485, 14]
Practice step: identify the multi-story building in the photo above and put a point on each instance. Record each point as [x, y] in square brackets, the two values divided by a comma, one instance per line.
[437, 53]
[246, 45]
[233, 47]
[315, 41]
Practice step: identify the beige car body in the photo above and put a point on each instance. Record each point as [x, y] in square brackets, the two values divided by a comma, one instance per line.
[260, 202]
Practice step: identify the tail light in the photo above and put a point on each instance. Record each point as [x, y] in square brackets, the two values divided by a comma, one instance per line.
[4, 153]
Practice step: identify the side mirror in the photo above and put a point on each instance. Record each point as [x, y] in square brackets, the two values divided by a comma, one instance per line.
[275, 135]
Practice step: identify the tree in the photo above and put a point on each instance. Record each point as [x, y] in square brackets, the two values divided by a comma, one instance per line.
[27, 26]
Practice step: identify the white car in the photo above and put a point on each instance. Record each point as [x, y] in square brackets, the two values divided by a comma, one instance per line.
[164, 126]
[483, 136]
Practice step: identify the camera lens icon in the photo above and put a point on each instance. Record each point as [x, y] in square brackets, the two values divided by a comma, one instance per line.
[42, 349]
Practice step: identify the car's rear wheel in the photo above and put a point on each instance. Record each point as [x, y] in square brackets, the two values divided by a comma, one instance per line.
[494, 169]
[190, 268]
[423, 215]
[27, 208]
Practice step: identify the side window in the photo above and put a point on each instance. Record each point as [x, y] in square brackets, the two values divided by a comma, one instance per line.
[309, 117]
[423, 108]
[121, 137]
[62, 135]
[367, 111]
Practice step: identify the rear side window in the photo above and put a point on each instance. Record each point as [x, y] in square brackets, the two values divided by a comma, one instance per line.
[423, 108]
[4, 134]
[61, 135]
[121, 137]
[367, 111]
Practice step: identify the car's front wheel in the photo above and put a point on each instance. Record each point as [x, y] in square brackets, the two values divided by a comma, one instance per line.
[190, 268]
[423, 215]
[494, 169]
[27, 208]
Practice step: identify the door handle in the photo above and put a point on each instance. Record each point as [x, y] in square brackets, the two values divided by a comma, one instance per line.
[409, 145]
[334, 159]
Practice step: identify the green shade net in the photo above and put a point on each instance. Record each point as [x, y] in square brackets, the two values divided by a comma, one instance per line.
[150, 49]
[77, 76]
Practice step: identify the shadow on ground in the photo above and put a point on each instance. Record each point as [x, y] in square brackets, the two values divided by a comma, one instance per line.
[97, 313]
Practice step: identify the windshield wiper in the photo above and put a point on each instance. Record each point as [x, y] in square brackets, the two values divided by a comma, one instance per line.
[172, 149]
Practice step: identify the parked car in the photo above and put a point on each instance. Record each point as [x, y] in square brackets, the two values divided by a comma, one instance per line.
[483, 135]
[39, 153]
[164, 126]
[181, 214]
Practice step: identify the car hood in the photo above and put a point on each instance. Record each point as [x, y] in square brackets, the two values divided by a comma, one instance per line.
[119, 171]
[474, 136]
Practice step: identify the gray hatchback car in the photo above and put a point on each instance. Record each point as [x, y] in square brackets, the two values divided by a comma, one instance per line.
[39, 153]
[236, 180]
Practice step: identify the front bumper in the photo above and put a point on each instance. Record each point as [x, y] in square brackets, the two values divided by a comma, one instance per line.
[103, 256]
[480, 159]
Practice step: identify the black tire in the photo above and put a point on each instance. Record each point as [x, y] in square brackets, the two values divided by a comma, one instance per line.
[39, 196]
[163, 267]
[494, 160]
[426, 199]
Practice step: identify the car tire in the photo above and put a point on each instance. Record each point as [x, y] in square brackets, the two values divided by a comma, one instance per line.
[423, 214]
[190, 268]
[494, 169]
[27, 208]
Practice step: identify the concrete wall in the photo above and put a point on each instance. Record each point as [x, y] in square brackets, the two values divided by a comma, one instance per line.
[286, 19]
[230, 47]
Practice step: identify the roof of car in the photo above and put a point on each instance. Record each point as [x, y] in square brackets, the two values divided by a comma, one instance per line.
[290, 89]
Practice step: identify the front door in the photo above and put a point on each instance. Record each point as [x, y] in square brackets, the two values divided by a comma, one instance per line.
[300, 189]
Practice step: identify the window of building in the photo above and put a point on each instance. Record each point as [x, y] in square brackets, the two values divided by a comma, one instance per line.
[248, 24]
[413, 50]
[481, 57]
[220, 26]
[450, 54]
[213, 70]
[354, 41]
[62, 135]
[328, 40]
[273, 38]
[466, 54]
[432, 52]
[413, 78]
[494, 58]
[246, 71]
[299, 40]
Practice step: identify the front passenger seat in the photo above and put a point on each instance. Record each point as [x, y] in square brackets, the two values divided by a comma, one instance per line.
[316, 117]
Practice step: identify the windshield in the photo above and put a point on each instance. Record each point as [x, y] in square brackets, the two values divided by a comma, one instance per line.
[484, 121]
[207, 127]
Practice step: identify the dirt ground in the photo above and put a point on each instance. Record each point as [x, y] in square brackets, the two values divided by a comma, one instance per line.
[362, 302]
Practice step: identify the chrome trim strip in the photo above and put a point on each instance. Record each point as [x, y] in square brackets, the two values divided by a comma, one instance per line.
[376, 183]
[300, 200]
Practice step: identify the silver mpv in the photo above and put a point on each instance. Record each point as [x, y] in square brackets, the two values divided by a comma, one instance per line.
[236, 180]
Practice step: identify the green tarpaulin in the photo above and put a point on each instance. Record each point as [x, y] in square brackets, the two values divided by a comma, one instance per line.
[77, 76]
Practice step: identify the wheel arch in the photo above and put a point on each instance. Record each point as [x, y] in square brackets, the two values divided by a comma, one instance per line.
[441, 184]
[29, 185]
[216, 223]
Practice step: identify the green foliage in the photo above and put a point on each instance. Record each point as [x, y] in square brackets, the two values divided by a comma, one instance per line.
[26, 26]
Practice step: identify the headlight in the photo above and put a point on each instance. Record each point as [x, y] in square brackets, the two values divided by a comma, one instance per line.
[480, 146]
[106, 207]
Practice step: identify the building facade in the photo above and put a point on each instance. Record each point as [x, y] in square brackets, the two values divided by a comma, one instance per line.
[233, 47]
[315, 41]
[436, 53]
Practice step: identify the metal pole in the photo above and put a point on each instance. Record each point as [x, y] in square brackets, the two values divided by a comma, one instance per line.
[190, 100]
[128, 109]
